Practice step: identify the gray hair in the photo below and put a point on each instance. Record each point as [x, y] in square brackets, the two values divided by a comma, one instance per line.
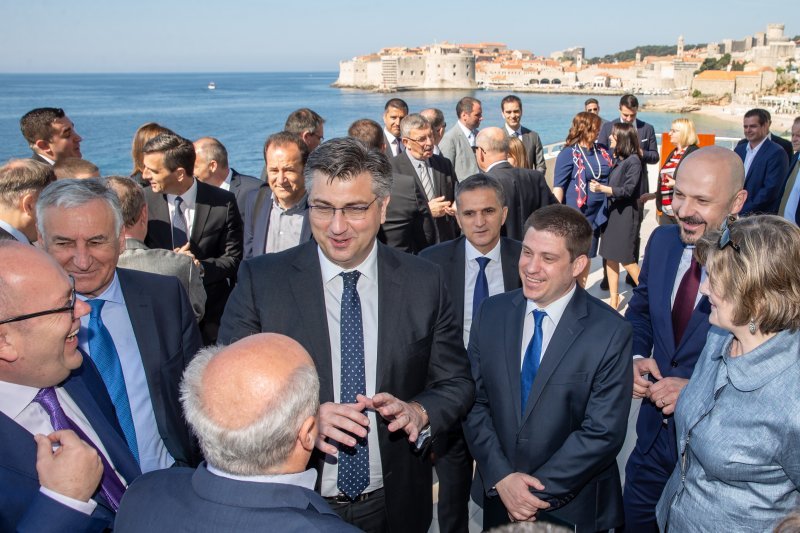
[264, 444]
[71, 193]
[414, 121]
[434, 116]
[213, 150]
[498, 144]
[344, 159]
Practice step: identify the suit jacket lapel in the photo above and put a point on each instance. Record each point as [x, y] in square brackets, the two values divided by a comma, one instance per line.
[513, 340]
[201, 211]
[670, 271]
[390, 289]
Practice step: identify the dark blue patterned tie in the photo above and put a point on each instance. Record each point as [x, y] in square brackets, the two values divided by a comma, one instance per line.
[353, 476]
[530, 365]
[179, 231]
[481, 290]
[105, 357]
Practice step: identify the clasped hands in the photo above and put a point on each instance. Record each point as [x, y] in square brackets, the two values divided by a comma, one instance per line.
[338, 422]
[440, 207]
[663, 393]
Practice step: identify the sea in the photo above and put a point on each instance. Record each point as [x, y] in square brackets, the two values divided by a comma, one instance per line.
[245, 108]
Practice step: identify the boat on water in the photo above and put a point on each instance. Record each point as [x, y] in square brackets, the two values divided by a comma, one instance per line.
[212, 86]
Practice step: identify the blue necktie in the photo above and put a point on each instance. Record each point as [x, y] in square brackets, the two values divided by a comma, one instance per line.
[481, 290]
[530, 365]
[105, 357]
[353, 475]
[179, 231]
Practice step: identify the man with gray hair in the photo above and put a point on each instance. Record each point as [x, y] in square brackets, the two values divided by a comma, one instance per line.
[254, 408]
[381, 330]
[438, 125]
[141, 331]
[21, 181]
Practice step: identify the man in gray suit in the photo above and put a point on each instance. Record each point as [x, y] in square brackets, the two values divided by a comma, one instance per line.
[138, 256]
[458, 144]
[21, 181]
[511, 106]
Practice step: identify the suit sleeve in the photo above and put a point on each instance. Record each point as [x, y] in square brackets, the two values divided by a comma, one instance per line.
[192, 341]
[240, 318]
[628, 182]
[539, 163]
[45, 515]
[594, 447]
[479, 430]
[224, 267]
[650, 154]
[562, 175]
[249, 224]
[197, 293]
[638, 313]
[448, 148]
[764, 199]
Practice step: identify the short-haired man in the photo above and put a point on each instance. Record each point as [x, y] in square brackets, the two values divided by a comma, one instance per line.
[511, 107]
[75, 168]
[525, 189]
[394, 111]
[137, 256]
[56, 421]
[786, 145]
[380, 328]
[789, 207]
[459, 143]
[211, 166]
[592, 105]
[260, 393]
[141, 331]
[670, 321]
[435, 118]
[21, 181]
[308, 125]
[276, 218]
[552, 371]
[435, 178]
[369, 132]
[476, 265]
[191, 217]
[50, 134]
[766, 166]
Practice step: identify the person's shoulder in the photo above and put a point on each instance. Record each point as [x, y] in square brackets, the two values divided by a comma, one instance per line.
[145, 281]
[211, 195]
[153, 485]
[669, 232]
[601, 313]
[441, 252]
[281, 259]
[246, 178]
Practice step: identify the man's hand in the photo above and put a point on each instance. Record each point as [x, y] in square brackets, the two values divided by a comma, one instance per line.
[439, 207]
[401, 415]
[339, 422]
[185, 251]
[642, 367]
[73, 469]
[664, 393]
[515, 492]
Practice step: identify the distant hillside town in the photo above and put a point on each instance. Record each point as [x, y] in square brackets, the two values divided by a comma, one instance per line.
[740, 69]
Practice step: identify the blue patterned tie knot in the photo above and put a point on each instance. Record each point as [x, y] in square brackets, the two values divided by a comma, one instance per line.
[530, 364]
[481, 290]
[353, 473]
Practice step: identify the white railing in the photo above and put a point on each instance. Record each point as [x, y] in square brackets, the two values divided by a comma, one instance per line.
[552, 150]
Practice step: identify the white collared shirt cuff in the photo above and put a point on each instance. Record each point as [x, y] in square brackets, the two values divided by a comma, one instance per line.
[86, 508]
[637, 356]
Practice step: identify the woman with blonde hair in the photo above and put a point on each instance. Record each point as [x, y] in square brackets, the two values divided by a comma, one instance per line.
[682, 134]
[143, 134]
[737, 419]
[517, 155]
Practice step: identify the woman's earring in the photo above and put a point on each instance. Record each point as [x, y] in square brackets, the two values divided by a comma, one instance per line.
[752, 327]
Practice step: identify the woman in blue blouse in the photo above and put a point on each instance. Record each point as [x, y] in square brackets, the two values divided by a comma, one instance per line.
[578, 163]
[738, 421]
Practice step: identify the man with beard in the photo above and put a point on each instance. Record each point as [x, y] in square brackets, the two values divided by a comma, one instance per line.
[670, 321]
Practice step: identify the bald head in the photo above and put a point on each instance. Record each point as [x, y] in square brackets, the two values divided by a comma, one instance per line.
[493, 144]
[723, 164]
[21, 268]
[211, 161]
[250, 404]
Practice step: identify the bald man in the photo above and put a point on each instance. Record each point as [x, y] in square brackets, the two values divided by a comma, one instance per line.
[670, 320]
[253, 406]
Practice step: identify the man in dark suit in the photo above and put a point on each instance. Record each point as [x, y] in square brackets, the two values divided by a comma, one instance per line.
[511, 106]
[50, 134]
[43, 380]
[381, 330]
[525, 190]
[229, 397]
[141, 332]
[211, 167]
[194, 218]
[21, 181]
[276, 217]
[476, 265]
[783, 143]
[394, 112]
[552, 371]
[670, 324]
[766, 166]
[790, 203]
[435, 179]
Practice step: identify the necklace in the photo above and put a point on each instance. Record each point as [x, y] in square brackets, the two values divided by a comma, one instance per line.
[597, 158]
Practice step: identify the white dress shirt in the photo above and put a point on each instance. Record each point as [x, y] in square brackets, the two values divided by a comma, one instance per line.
[227, 183]
[395, 144]
[469, 134]
[188, 206]
[153, 454]
[513, 133]
[367, 288]
[494, 275]
[750, 154]
[554, 312]
[305, 479]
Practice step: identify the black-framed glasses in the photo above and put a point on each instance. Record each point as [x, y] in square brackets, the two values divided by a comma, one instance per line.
[421, 140]
[350, 212]
[69, 307]
[725, 240]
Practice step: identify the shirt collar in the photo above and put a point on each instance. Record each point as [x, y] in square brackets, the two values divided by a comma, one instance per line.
[368, 268]
[14, 398]
[189, 197]
[305, 479]
[467, 131]
[113, 293]
[495, 164]
[46, 159]
[471, 253]
[228, 177]
[391, 136]
[17, 234]
[512, 132]
[299, 207]
[415, 161]
[757, 146]
[555, 309]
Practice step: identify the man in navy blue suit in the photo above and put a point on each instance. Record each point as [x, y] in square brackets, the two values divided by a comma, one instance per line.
[766, 165]
[670, 321]
[55, 419]
[254, 406]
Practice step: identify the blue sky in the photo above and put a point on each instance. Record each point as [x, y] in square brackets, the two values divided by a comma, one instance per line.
[248, 35]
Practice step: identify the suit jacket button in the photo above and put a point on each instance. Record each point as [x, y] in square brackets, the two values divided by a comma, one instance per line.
[674, 363]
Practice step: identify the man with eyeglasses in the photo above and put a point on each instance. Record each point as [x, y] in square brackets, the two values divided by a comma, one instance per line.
[65, 463]
[670, 321]
[381, 330]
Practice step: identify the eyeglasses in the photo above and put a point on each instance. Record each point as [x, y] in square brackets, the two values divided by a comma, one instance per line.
[421, 140]
[350, 212]
[725, 240]
[70, 307]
